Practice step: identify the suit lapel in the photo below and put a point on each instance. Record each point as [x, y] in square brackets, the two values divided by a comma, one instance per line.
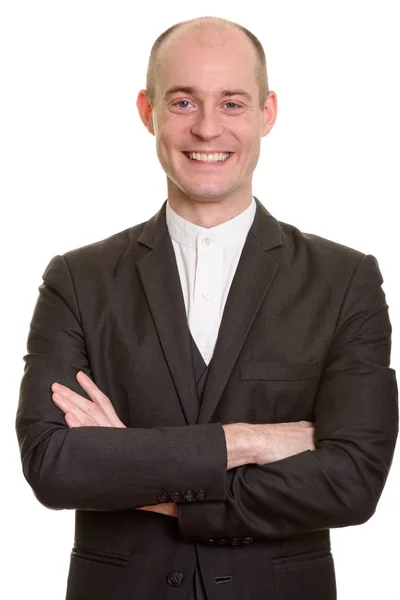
[254, 275]
[160, 279]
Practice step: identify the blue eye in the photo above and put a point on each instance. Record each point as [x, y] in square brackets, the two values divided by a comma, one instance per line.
[183, 102]
[232, 104]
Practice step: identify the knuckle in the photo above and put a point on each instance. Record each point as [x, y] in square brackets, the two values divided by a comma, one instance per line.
[103, 399]
[100, 401]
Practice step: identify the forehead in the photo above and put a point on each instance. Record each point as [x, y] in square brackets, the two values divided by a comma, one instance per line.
[208, 60]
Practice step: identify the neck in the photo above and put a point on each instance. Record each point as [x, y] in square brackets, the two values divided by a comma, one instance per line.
[208, 212]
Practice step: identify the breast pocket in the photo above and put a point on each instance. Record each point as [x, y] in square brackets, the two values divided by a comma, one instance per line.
[290, 388]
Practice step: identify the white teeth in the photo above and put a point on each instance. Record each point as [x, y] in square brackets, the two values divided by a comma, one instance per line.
[208, 157]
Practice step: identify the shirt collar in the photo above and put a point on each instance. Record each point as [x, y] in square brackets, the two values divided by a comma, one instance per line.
[226, 234]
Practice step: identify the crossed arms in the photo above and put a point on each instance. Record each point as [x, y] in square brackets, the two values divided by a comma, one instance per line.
[252, 488]
[246, 443]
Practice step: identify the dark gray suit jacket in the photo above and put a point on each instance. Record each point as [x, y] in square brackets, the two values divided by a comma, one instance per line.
[305, 335]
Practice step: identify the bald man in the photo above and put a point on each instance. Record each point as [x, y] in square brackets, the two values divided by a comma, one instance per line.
[210, 390]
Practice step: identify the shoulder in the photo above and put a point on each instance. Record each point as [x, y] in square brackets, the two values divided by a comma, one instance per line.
[290, 244]
[295, 239]
[97, 259]
[106, 255]
[324, 260]
[317, 251]
[335, 269]
[108, 249]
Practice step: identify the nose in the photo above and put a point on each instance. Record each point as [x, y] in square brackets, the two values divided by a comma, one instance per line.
[207, 124]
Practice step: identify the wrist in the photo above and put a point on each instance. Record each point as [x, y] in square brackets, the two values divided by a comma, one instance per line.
[240, 444]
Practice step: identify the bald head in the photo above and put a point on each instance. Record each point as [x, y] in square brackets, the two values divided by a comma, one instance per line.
[208, 31]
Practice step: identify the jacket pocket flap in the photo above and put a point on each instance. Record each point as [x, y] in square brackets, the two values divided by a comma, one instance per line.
[279, 371]
[100, 556]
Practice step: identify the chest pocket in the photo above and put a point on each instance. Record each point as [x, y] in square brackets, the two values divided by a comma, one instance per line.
[289, 387]
[279, 371]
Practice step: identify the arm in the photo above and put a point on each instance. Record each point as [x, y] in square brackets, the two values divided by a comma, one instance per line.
[98, 468]
[246, 443]
[356, 424]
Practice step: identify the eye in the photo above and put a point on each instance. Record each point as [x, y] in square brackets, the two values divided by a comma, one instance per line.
[232, 105]
[182, 103]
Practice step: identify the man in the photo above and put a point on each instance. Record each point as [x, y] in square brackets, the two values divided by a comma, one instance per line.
[243, 365]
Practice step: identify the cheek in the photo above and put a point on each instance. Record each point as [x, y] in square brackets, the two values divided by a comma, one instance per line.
[249, 132]
[251, 144]
[168, 139]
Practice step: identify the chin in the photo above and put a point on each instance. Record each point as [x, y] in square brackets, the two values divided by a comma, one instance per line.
[207, 197]
[206, 192]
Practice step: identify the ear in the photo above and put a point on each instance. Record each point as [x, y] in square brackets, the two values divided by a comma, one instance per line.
[270, 112]
[145, 110]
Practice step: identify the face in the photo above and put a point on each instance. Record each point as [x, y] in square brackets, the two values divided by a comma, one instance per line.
[206, 115]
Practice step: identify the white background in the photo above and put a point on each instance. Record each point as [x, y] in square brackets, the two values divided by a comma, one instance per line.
[77, 165]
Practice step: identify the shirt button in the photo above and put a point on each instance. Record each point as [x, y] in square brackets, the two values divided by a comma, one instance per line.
[207, 295]
[206, 241]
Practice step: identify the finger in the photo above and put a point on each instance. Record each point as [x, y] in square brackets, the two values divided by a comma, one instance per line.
[99, 398]
[72, 413]
[72, 421]
[71, 402]
[77, 418]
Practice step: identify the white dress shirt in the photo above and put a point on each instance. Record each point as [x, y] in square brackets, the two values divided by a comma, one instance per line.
[207, 261]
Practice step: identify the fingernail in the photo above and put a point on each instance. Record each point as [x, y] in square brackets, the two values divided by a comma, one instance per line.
[56, 386]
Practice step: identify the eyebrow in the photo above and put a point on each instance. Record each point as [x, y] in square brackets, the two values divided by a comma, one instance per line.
[194, 90]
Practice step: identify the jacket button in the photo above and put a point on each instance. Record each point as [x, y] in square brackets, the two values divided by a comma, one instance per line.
[175, 496]
[189, 496]
[163, 497]
[210, 541]
[200, 495]
[222, 542]
[175, 578]
[234, 541]
[247, 540]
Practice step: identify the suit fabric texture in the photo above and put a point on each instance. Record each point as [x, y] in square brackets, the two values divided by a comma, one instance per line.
[305, 335]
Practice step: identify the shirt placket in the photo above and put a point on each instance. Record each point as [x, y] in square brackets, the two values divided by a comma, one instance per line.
[206, 295]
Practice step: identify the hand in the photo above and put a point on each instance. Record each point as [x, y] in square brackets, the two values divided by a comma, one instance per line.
[80, 412]
[166, 508]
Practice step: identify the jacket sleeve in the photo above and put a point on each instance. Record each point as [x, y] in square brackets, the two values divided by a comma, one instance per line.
[99, 468]
[356, 425]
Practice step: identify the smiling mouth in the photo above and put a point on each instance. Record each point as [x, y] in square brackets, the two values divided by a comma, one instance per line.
[216, 157]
